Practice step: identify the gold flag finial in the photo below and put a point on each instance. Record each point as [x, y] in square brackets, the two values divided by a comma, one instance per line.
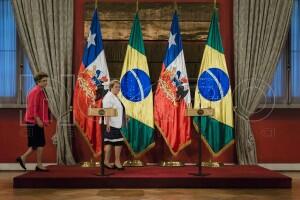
[175, 6]
[137, 5]
[96, 4]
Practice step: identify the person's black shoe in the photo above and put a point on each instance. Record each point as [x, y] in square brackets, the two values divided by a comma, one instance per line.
[41, 170]
[20, 161]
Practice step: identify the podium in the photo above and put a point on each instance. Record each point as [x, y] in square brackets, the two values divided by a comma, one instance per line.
[199, 112]
[102, 112]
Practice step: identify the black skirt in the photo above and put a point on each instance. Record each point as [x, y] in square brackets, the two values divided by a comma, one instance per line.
[35, 135]
[114, 137]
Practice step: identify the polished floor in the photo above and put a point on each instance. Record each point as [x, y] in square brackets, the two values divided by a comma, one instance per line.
[7, 192]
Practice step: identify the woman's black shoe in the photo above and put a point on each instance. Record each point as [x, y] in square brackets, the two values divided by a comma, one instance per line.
[20, 161]
[41, 170]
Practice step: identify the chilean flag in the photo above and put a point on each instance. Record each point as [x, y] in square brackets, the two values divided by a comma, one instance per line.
[93, 74]
[172, 95]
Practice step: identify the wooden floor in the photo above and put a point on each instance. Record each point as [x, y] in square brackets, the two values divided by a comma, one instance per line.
[7, 192]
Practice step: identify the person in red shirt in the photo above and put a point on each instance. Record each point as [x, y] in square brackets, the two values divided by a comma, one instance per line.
[36, 118]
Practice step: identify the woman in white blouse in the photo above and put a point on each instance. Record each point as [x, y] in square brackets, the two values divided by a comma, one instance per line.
[112, 135]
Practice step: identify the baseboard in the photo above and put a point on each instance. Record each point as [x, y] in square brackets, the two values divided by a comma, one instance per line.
[17, 167]
[271, 166]
[281, 166]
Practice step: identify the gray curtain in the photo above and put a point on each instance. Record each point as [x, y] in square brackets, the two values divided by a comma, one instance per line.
[45, 28]
[260, 29]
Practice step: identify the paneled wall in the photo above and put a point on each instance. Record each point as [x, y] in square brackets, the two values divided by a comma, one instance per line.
[116, 21]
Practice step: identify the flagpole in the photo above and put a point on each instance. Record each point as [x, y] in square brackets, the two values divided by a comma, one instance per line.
[102, 173]
[137, 6]
[101, 93]
[215, 8]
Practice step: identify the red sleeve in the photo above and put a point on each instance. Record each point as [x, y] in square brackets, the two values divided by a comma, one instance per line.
[35, 103]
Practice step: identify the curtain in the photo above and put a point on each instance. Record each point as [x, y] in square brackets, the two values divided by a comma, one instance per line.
[277, 93]
[260, 29]
[295, 53]
[8, 52]
[45, 28]
[27, 79]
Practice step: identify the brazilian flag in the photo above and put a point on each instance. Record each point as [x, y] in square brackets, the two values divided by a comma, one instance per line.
[213, 91]
[136, 94]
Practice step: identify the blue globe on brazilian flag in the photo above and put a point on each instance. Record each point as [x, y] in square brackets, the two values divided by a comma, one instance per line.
[135, 85]
[213, 91]
[136, 94]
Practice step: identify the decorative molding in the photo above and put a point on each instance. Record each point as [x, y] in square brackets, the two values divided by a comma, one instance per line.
[17, 167]
[20, 106]
[281, 166]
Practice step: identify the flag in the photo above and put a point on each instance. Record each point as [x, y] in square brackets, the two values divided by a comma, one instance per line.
[92, 76]
[213, 91]
[136, 94]
[172, 95]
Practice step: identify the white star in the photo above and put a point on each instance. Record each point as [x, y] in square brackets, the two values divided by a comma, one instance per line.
[172, 39]
[91, 39]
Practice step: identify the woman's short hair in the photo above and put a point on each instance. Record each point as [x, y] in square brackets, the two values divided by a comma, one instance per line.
[39, 76]
[113, 83]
